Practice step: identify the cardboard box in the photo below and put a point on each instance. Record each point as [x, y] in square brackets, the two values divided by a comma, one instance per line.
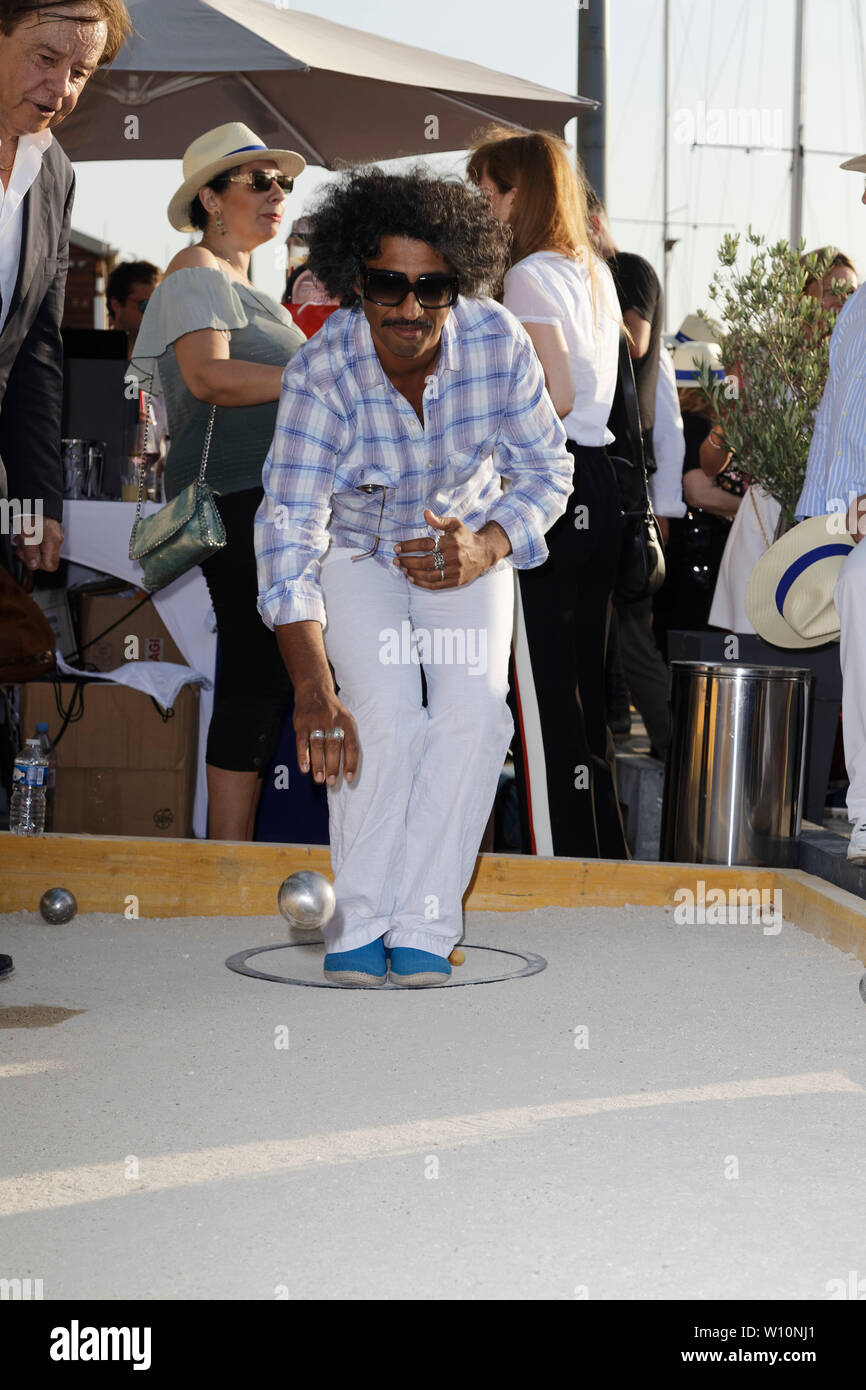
[121, 770]
[99, 611]
[54, 603]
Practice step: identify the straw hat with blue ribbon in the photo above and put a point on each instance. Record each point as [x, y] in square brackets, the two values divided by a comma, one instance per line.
[694, 329]
[695, 343]
[789, 596]
[213, 153]
[687, 357]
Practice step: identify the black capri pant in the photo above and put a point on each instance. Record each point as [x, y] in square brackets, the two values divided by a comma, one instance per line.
[253, 690]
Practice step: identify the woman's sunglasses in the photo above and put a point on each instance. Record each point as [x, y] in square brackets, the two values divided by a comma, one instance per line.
[260, 182]
[390, 287]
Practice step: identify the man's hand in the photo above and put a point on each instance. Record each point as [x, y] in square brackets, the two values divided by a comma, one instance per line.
[45, 555]
[317, 710]
[466, 554]
[857, 518]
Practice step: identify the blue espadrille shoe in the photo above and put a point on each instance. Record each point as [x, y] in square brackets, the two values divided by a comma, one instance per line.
[365, 965]
[412, 968]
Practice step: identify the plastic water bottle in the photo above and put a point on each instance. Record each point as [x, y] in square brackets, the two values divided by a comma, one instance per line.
[48, 749]
[29, 776]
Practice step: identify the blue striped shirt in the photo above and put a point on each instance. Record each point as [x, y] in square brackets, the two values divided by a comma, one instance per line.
[341, 424]
[836, 470]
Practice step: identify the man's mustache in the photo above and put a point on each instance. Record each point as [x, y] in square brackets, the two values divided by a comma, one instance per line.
[406, 323]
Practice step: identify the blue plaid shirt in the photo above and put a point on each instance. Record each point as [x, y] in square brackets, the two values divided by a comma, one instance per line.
[836, 470]
[341, 423]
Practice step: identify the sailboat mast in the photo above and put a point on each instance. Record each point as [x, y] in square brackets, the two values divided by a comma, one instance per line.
[797, 132]
[592, 82]
[667, 244]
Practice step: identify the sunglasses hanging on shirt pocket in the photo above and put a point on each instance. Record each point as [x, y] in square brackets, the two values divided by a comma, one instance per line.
[642, 557]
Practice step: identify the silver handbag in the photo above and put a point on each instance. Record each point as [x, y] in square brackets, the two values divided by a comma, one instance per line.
[183, 532]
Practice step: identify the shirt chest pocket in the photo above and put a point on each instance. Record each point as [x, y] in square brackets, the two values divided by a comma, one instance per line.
[463, 464]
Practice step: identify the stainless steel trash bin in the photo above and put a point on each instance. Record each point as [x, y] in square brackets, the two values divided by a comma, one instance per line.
[735, 772]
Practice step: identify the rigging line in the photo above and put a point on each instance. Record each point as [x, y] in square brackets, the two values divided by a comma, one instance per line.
[624, 113]
[861, 58]
[842, 84]
[740, 67]
[760, 70]
[720, 67]
[781, 198]
[710, 50]
[810, 218]
[692, 11]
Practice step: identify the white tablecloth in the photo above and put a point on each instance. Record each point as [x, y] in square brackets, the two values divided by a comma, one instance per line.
[96, 534]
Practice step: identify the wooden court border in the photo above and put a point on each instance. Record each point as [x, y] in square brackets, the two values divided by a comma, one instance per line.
[217, 878]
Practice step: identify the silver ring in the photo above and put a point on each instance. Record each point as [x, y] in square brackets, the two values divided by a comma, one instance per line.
[336, 732]
[317, 733]
[438, 559]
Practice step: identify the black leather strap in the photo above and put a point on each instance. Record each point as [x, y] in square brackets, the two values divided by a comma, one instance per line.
[630, 402]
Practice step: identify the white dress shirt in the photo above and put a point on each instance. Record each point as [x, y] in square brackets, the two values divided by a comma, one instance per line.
[669, 444]
[28, 162]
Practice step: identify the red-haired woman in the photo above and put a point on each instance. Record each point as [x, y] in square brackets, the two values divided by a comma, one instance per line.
[564, 296]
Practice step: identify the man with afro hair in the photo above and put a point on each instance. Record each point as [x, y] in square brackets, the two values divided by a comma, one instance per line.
[417, 461]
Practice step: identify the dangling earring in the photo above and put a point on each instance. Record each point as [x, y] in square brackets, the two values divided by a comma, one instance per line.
[220, 225]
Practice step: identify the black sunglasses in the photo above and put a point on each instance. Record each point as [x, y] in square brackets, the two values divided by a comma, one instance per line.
[260, 182]
[390, 287]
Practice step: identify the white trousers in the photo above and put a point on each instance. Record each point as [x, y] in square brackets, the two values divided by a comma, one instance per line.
[405, 832]
[849, 597]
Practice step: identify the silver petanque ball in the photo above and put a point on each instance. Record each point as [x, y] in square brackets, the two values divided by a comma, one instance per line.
[58, 905]
[306, 899]
[863, 988]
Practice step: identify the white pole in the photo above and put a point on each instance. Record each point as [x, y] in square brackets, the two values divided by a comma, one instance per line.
[99, 296]
[797, 133]
[666, 248]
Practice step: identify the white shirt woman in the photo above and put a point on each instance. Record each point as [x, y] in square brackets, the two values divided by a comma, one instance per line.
[569, 307]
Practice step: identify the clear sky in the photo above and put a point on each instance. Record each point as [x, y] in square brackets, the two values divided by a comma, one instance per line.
[731, 69]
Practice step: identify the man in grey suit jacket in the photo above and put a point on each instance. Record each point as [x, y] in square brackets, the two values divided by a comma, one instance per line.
[47, 53]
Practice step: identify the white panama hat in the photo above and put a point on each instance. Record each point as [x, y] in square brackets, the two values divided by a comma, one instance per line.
[858, 164]
[687, 355]
[789, 596]
[223, 148]
[694, 329]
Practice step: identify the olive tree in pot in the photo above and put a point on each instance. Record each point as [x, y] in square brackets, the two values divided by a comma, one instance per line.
[774, 342]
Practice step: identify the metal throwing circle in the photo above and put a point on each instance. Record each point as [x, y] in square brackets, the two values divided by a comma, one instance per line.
[533, 965]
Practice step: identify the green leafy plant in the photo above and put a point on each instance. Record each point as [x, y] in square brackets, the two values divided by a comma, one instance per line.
[774, 346]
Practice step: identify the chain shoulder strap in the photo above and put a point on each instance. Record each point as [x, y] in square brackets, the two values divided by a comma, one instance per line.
[204, 453]
[758, 515]
[205, 450]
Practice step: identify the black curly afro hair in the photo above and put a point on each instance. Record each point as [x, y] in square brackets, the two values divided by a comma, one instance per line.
[353, 215]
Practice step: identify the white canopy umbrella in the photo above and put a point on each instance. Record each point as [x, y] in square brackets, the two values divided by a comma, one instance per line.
[336, 95]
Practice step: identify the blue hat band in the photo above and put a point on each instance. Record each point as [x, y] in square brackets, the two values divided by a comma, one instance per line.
[244, 148]
[718, 374]
[810, 557]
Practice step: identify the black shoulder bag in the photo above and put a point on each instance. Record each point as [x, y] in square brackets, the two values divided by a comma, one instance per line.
[642, 556]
